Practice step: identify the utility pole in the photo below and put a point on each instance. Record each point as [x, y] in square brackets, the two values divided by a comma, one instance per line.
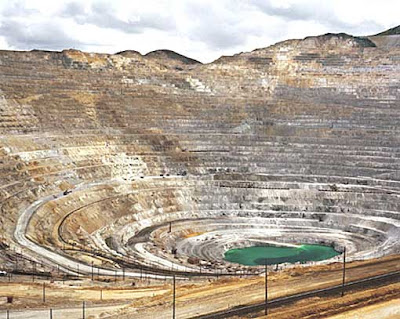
[174, 296]
[83, 310]
[344, 270]
[266, 289]
[51, 313]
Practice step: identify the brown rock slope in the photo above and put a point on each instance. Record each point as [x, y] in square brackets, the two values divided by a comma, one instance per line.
[322, 110]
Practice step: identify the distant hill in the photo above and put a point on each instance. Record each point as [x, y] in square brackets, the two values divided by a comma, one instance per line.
[171, 55]
[392, 31]
[387, 39]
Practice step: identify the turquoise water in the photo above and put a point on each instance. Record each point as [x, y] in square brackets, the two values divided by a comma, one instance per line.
[271, 255]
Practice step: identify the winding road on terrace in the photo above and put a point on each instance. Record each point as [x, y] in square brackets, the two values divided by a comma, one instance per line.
[65, 263]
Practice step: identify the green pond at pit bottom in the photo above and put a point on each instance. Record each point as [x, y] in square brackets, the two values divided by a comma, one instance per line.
[271, 255]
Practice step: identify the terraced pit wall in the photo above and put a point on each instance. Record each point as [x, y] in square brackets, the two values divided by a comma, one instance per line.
[295, 142]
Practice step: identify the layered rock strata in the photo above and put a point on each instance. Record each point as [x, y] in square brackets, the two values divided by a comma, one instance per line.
[297, 142]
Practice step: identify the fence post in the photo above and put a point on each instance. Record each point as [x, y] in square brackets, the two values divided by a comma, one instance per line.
[174, 297]
[83, 310]
[51, 313]
[344, 270]
[266, 289]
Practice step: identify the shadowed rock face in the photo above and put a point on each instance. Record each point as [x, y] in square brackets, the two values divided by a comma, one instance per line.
[294, 142]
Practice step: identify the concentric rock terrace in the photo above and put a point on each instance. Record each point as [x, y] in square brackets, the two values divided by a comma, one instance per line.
[164, 162]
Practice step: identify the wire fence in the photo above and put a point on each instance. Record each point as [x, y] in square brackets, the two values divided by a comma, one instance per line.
[85, 310]
[25, 270]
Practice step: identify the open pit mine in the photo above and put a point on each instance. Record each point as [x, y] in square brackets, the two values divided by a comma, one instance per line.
[128, 180]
